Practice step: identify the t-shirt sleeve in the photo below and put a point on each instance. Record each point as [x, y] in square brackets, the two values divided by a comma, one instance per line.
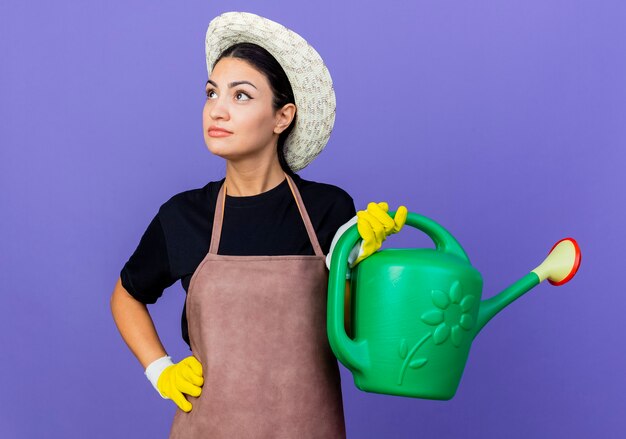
[147, 272]
[340, 212]
[344, 211]
[347, 210]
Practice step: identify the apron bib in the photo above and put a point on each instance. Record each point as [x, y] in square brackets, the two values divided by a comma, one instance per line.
[257, 324]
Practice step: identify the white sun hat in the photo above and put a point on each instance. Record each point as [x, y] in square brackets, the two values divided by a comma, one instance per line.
[309, 78]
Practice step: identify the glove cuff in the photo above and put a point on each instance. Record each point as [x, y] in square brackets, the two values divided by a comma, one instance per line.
[338, 234]
[154, 370]
[356, 252]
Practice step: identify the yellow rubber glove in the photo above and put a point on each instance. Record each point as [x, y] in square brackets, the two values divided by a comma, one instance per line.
[375, 224]
[183, 377]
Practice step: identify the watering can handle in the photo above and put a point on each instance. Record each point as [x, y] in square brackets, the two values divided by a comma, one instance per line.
[443, 240]
[354, 354]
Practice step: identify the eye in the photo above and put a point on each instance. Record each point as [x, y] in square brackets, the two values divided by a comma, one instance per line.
[241, 96]
[210, 94]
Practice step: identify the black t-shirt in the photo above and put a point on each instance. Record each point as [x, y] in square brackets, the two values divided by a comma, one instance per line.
[178, 237]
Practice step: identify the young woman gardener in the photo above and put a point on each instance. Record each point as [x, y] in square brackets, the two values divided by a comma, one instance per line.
[250, 250]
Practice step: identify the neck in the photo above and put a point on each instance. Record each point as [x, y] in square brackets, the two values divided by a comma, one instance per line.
[245, 179]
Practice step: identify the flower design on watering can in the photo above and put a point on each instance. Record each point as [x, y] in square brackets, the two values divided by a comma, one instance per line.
[452, 316]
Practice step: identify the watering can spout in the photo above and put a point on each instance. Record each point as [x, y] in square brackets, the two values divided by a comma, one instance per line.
[492, 306]
[559, 267]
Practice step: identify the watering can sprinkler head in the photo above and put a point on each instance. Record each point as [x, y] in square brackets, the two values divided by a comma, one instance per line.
[559, 267]
[561, 264]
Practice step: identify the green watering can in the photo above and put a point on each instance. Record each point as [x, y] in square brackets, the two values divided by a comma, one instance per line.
[415, 312]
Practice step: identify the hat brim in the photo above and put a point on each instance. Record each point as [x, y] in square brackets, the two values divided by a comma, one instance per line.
[309, 77]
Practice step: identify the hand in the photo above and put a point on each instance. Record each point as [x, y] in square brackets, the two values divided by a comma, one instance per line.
[183, 377]
[375, 224]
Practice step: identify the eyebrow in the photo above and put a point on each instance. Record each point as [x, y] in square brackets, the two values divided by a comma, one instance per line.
[232, 84]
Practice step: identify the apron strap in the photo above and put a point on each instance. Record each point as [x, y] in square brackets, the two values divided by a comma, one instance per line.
[305, 216]
[218, 218]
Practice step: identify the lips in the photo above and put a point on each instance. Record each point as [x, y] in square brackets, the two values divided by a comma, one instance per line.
[214, 131]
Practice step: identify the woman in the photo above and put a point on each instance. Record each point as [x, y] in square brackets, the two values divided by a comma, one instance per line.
[249, 250]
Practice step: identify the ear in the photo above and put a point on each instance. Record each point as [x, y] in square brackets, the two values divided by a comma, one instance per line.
[284, 116]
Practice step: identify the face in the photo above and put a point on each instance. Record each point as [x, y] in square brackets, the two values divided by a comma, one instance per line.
[238, 119]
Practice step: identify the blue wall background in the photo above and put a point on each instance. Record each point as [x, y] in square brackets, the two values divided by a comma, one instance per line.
[503, 121]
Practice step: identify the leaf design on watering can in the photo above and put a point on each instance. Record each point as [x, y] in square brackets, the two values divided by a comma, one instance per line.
[407, 358]
[416, 364]
[404, 349]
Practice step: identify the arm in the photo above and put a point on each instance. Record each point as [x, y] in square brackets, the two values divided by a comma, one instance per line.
[135, 326]
[137, 329]
[346, 310]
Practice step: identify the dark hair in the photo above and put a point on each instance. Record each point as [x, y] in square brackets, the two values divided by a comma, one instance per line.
[265, 63]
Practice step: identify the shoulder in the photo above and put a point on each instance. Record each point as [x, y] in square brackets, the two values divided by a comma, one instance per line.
[187, 214]
[314, 191]
[328, 204]
[191, 200]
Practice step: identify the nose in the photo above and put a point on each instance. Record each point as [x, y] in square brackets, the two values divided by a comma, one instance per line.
[218, 109]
